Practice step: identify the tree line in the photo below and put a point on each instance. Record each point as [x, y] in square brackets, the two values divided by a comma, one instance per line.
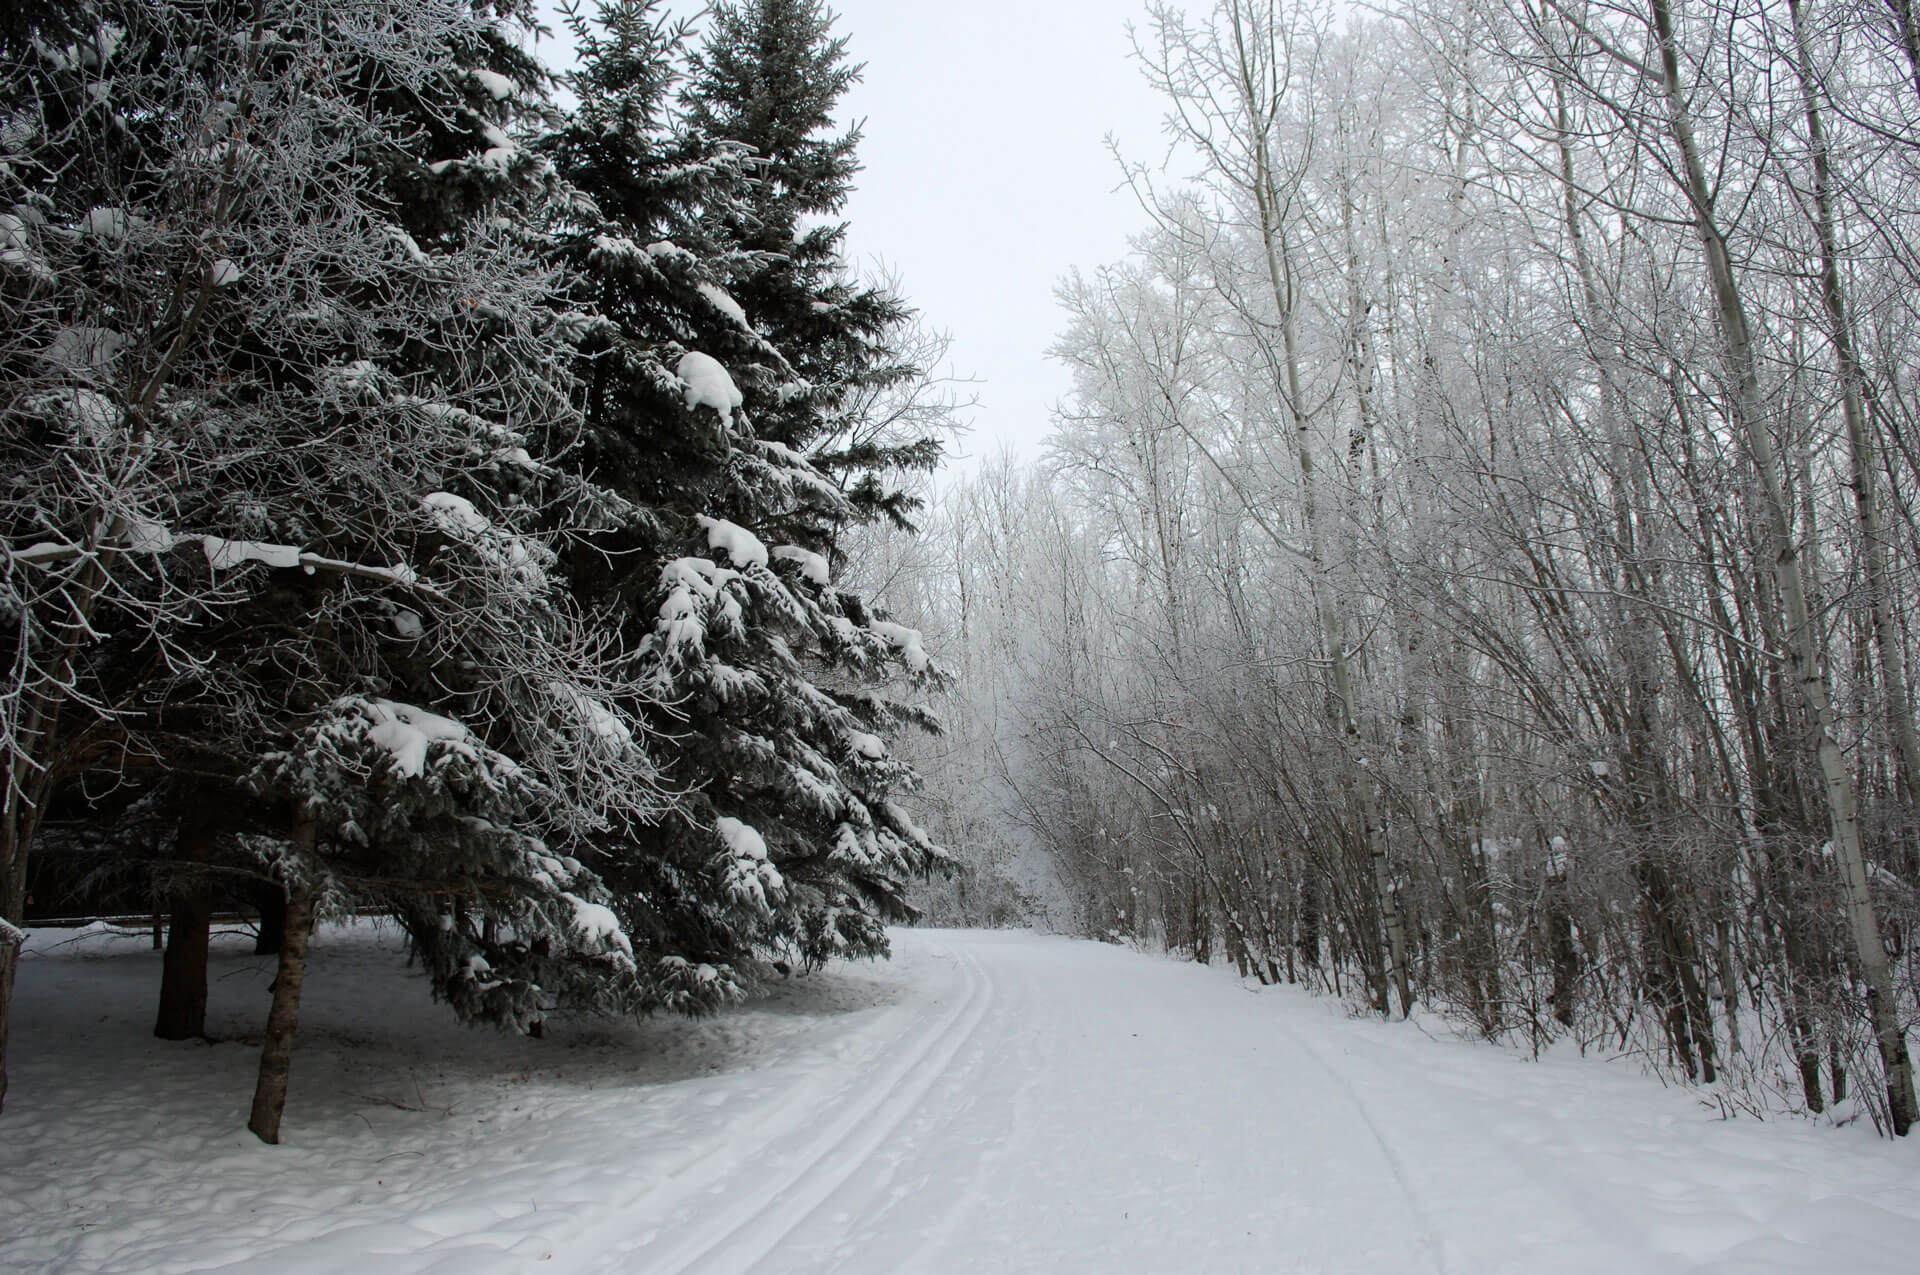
[1476, 563]
[423, 483]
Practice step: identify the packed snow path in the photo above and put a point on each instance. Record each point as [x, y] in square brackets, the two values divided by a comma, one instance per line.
[985, 1102]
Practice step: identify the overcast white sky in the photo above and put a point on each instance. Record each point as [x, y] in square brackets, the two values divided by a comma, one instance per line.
[987, 175]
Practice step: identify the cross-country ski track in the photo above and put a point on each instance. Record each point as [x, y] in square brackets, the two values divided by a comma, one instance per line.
[986, 1102]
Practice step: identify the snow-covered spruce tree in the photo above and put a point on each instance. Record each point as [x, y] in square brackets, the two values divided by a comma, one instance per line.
[270, 475]
[767, 77]
[790, 842]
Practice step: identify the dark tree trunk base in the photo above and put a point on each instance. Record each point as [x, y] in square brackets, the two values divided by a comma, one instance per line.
[272, 902]
[183, 972]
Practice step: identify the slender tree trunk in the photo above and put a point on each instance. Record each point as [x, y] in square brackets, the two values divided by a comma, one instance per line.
[1908, 33]
[1803, 656]
[1561, 949]
[1898, 702]
[28, 787]
[11, 940]
[1333, 629]
[276, 1048]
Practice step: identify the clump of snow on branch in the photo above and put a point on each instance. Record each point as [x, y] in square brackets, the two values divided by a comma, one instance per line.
[902, 639]
[709, 384]
[750, 875]
[698, 598]
[741, 545]
[406, 732]
[599, 721]
[222, 554]
[596, 923]
[722, 301]
[812, 566]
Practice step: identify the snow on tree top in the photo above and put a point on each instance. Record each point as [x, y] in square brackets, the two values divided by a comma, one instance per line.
[708, 383]
[741, 545]
[868, 746]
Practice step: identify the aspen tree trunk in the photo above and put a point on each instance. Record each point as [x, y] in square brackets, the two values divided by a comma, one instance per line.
[1261, 102]
[1333, 628]
[1803, 655]
[1893, 666]
[276, 1047]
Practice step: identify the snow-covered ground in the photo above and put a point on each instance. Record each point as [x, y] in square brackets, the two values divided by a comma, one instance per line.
[987, 1101]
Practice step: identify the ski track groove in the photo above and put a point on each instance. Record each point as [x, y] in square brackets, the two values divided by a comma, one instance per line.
[1430, 1237]
[1034, 1059]
[1604, 1220]
[839, 1151]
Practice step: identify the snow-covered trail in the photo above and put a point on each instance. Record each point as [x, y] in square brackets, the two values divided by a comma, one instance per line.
[988, 1101]
[1070, 1106]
